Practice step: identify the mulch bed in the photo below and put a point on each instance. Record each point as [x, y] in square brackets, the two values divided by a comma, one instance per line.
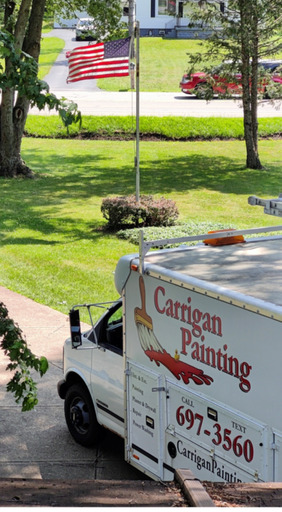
[268, 494]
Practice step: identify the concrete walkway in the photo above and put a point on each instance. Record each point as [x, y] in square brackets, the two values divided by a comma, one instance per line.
[37, 444]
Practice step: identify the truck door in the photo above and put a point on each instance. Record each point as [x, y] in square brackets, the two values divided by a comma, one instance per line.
[107, 375]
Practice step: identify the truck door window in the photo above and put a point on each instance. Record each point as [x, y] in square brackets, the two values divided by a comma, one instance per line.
[109, 330]
[113, 332]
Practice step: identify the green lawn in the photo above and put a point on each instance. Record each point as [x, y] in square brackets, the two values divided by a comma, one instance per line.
[175, 128]
[52, 247]
[50, 49]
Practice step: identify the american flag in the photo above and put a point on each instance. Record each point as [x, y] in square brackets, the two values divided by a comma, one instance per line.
[101, 60]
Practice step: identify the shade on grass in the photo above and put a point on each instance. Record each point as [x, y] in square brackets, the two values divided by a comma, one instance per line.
[52, 246]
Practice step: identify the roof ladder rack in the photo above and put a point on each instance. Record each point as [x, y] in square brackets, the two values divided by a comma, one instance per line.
[271, 206]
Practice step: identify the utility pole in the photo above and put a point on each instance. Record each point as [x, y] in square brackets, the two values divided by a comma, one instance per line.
[131, 16]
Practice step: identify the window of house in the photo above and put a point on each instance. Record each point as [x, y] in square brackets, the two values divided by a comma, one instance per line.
[166, 7]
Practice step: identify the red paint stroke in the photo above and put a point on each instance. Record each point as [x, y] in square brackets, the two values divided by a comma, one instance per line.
[179, 369]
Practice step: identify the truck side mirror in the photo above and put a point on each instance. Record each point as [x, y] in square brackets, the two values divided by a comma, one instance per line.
[75, 328]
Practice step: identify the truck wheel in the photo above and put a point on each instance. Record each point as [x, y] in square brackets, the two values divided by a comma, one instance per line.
[80, 416]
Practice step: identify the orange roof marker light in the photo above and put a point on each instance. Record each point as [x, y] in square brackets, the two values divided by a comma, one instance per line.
[228, 240]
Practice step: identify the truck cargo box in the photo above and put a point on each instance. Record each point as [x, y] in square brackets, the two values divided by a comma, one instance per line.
[203, 376]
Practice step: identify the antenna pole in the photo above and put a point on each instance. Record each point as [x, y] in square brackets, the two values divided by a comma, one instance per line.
[137, 157]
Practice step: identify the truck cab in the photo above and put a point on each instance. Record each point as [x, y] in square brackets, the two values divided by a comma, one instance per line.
[93, 387]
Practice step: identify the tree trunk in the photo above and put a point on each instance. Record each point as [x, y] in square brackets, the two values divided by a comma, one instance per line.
[11, 163]
[249, 81]
[14, 110]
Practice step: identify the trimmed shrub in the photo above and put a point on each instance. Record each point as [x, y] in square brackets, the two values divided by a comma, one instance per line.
[125, 212]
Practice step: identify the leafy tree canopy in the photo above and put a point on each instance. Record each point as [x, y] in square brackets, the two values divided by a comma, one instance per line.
[243, 32]
[22, 362]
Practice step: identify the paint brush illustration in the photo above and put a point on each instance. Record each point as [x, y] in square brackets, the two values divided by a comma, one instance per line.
[144, 324]
[157, 353]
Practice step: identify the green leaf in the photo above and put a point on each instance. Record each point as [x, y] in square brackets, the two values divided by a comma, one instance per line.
[43, 365]
[29, 402]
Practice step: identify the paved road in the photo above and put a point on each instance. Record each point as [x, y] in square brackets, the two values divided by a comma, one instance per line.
[92, 101]
[158, 104]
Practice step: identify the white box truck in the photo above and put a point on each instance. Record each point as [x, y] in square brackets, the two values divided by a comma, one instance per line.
[186, 365]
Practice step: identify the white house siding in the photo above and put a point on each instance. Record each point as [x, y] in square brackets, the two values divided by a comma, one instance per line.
[151, 22]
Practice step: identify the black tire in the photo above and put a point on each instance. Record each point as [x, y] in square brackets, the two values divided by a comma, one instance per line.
[80, 416]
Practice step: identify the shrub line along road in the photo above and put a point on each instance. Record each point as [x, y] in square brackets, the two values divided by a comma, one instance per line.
[93, 101]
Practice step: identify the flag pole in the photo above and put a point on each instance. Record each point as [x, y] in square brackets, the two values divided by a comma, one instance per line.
[137, 158]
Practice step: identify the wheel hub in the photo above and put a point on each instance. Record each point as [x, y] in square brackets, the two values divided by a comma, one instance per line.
[80, 416]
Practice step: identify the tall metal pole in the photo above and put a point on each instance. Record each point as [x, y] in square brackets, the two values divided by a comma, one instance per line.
[131, 16]
[137, 159]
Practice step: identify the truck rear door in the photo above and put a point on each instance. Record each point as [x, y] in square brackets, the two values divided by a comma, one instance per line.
[145, 421]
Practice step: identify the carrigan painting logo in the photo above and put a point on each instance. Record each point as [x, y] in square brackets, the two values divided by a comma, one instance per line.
[153, 349]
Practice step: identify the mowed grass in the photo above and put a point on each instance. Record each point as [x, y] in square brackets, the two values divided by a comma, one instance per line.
[53, 247]
[174, 128]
